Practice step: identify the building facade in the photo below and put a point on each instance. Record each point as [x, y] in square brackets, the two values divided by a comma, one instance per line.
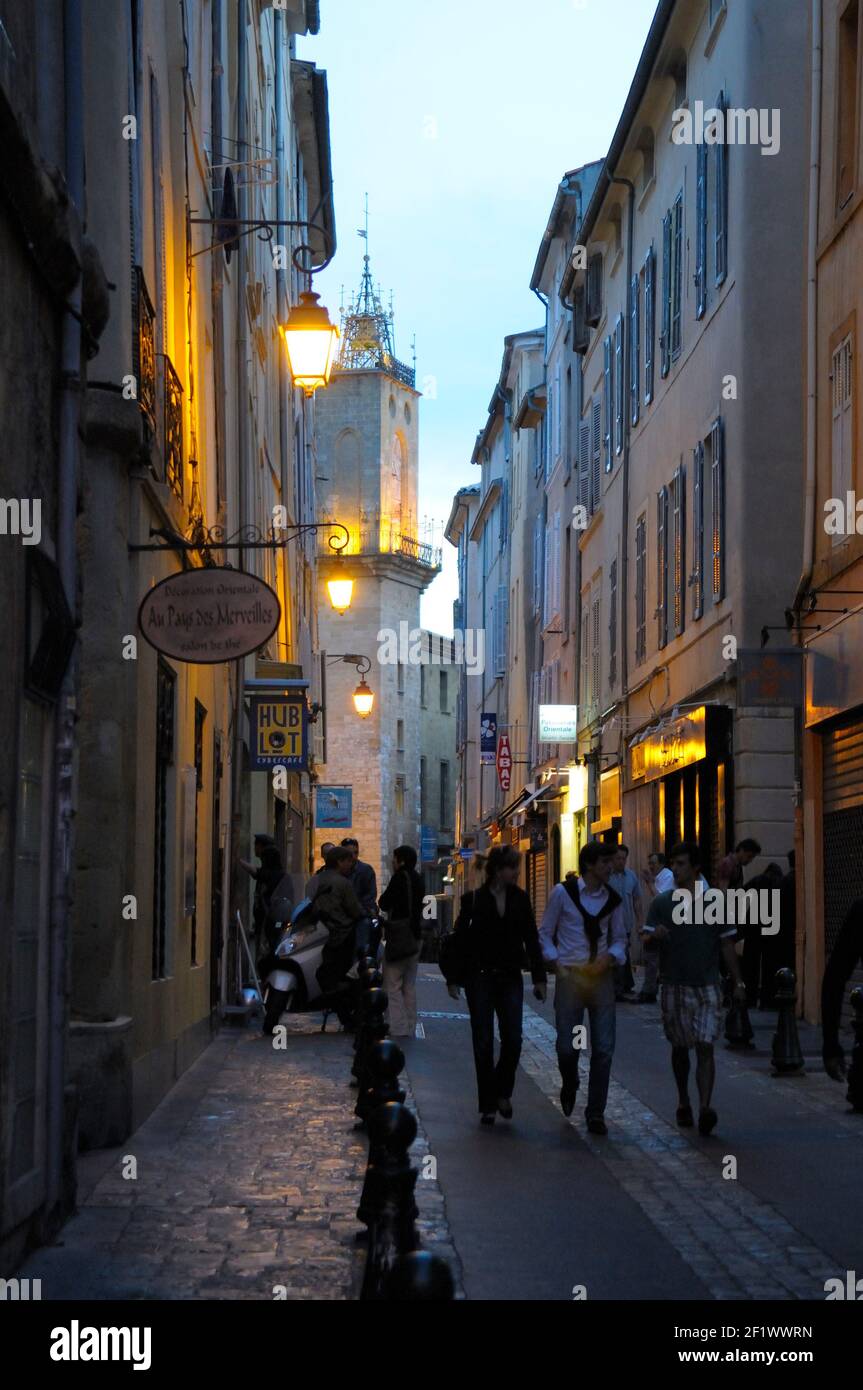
[439, 678]
[829, 591]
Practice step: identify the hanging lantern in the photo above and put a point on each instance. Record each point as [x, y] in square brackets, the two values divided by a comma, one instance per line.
[310, 339]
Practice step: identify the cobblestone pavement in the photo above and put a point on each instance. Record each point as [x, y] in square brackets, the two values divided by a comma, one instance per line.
[739, 1246]
[248, 1177]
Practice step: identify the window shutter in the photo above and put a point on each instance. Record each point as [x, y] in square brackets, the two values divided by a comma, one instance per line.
[584, 454]
[698, 525]
[619, 386]
[641, 589]
[612, 626]
[662, 566]
[537, 563]
[679, 549]
[580, 330]
[677, 280]
[555, 574]
[841, 377]
[608, 385]
[546, 595]
[557, 408]
[649, 322]
[665, 332]
[720, 240]
[593, 302]
[584, 688]
[635, 350]
[701, 232]
[500, 616]
[596, 456]
[718, 493]
[596, 668]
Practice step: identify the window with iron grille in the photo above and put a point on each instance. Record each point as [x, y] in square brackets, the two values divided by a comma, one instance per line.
[701, 232]
[608, 392]
[717, 477]
[649, 322]
[662, 567]
[635, 350]
[698, 530]
[163, 838]
[641, 589]
[678, 548]
[593, 300]
[720, 169]
[619, 387]
[612, 626]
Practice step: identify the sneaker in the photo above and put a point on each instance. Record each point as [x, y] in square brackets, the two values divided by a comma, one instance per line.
[595, 1124]
[504, 1107]
[567, 1099]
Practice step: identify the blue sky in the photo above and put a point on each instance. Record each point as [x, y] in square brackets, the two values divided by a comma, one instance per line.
[459, 117]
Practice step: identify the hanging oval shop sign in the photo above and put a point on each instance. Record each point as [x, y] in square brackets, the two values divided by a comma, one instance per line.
[209, 615]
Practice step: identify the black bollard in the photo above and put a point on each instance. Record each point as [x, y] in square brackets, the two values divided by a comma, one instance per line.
[391, 1209]
[787, 1056]
[370, 978]
[855, 1071]
[385, 1062]
[420, 1276]
[373, 1008]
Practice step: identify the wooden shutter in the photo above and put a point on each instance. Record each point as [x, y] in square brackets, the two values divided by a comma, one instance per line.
[555, 567]
[580, 330]
[698, 530]
[612, 626]
[635, 350]
[662, 566]
[608, 389]
[677, 278]
[595, 655]
[619, 385]
[640, 589]
[665, 331]
[720, 238]
[679, 549]
[701, 232]
[596, 454]
[593, 301]
[717, 451]
[500, 616]
[841, 395]
[843, 767]
[649, 322]
[584, 454]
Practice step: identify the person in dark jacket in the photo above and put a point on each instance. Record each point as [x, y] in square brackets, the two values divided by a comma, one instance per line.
[365, 885]
[402, 900]
[267, 878]
[846, 955]
[497, 939]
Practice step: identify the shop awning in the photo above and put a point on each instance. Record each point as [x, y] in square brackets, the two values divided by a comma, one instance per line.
[520, 800]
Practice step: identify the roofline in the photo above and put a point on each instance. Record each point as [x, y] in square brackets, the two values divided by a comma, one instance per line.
[552, 226]
[459, 503]
[637, 90]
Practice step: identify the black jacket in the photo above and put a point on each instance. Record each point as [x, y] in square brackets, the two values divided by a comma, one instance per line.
[364, 883]
[487, 941]
[398, 902]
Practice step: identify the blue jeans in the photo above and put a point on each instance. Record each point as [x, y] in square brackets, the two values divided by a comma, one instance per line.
[491, 992]
[574, 995]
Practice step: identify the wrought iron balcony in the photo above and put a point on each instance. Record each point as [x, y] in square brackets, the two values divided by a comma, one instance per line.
[144, 354]
[173, 442]
[378, 537]
[375, 360]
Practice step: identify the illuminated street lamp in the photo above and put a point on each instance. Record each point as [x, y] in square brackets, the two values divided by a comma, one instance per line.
[341, 591]
[310, 339]
[363, 696]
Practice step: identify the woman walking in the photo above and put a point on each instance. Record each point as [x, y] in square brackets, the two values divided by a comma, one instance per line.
[402, 900]
[494, 940]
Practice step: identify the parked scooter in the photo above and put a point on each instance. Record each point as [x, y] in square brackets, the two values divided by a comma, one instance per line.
[290, 975]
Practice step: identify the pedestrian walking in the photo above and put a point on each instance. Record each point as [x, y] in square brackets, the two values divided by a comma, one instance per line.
[729, 874]
[625, 883]
[778, 952]
[341, 911]
[756, 960]
[402, 900]
[364, 883]
[583, 939]
[493, 941]
[690, 994]
[657, 878]
[846, 955]
[267, 878]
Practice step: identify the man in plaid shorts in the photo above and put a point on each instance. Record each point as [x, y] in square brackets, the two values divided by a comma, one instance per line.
[690, 995]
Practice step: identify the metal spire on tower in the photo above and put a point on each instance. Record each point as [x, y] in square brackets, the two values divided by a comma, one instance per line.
[366, 327]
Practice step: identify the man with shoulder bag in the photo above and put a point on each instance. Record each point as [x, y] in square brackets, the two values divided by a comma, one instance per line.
[402, 900]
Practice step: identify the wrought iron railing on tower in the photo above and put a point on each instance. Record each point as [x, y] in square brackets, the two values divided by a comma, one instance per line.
[377, 534]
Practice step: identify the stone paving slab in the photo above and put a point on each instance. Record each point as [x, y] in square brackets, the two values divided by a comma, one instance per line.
[248, 1179]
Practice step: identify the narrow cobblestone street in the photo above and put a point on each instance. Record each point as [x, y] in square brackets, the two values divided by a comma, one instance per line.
[248, 1177]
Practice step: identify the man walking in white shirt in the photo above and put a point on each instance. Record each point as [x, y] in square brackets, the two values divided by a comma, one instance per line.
[583, 937]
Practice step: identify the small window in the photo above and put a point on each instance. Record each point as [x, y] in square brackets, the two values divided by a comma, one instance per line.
[422, 686]
[400, 795]
[400, 671]
[847, 117]
[444, 697]
[400, 735]
[423, 789]
[443, 808]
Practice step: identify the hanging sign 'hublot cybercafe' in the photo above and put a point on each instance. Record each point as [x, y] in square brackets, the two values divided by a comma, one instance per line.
[209, 615]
